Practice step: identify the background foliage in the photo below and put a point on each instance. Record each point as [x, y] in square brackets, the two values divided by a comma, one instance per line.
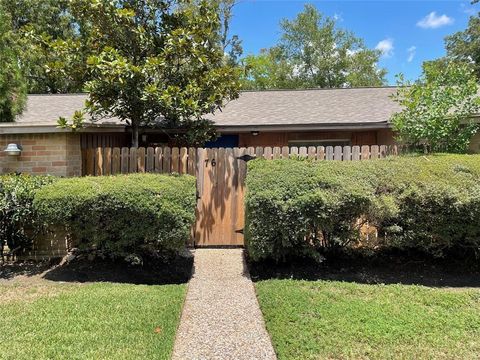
[314, 53]
[438, 108]
[12, 83]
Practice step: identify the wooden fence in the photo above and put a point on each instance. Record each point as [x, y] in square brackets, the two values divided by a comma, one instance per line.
[109, 161]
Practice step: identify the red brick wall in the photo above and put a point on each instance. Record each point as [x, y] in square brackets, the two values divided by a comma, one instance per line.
[54, 154]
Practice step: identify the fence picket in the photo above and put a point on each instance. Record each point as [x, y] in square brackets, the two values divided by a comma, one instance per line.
[107, 161]
[302, 151]
[383, 151]
[158, 159]
[329, 153]
[267, 153]
[365, 152]
[167, 160]
[347, 153]
[98, 161]
[133, 160]
[175, 160]
[356, 153]
[374, 152]
[125, 158]
[320, 153]
[150, 167]
[277, 152]
[337, 153]
[285, 152]
[259, 151]
[183, 160]
[192, 159]
[116, 161]
[141, 159]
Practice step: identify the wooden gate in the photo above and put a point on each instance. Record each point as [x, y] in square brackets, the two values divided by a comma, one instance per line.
[220, 187]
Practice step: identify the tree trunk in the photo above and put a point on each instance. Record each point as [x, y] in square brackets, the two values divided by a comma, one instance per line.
[135, 132]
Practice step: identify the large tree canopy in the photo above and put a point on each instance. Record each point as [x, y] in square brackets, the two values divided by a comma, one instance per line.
[313, 52]
[12, 85]
[154, 61]
[438, 108]
[465, 45]
[38, 26]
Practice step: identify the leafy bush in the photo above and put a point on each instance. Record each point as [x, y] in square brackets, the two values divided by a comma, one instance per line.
[298, 207]
[17, 216]
[122, 216]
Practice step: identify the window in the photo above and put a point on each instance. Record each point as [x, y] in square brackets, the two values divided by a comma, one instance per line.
[326, 142]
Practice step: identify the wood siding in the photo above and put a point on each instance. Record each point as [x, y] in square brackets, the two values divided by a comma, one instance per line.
[272, 139]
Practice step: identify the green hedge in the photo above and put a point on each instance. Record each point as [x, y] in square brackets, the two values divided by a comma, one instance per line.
[17, 216]
[298, 207]
[121, 216]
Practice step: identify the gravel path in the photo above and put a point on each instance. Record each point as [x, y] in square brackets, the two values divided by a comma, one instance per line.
[221, 318]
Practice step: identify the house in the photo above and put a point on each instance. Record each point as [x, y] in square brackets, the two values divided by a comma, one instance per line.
[358, 116]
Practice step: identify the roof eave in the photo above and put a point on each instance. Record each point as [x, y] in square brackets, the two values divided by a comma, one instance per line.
[303, 127]
[19, 128]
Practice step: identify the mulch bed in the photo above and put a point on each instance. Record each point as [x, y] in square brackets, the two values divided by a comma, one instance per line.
[384, 269]
[152, 272]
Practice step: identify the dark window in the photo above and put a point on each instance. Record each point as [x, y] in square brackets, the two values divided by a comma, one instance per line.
[327, 142]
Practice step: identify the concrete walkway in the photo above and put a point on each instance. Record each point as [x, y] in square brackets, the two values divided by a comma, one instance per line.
[221, 318]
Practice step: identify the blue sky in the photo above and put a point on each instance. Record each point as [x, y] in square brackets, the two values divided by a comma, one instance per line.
[407, 31]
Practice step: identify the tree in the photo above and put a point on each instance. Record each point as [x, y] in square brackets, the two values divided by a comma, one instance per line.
[154, 62]
[317, 54]
[268, 70]
[40, 29]
[438, 108]
[232, 45]
[12, 84]
[465, 45]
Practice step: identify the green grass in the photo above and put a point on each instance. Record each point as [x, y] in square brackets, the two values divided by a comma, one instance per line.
[94, 321]
[335, 320]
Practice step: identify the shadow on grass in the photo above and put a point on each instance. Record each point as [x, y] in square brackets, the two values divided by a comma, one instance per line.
[385, 269]
[27, 268]
[153, 272]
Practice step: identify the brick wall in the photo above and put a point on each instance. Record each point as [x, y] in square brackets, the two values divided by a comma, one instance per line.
[55, 154]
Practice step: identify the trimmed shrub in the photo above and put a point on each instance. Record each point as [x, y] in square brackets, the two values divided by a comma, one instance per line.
[17, 216]
[298, 207]
[122, 216]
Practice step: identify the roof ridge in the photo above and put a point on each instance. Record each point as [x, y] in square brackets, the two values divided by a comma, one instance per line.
[323, 89]
[67, 94]
[261, 90]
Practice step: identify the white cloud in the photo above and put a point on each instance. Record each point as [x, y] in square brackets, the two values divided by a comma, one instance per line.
[411, 53]
[386, 47]
[434, 21]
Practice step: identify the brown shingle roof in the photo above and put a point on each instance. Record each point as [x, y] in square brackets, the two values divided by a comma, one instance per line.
[302, 107]
[257, 108]
[46, 109]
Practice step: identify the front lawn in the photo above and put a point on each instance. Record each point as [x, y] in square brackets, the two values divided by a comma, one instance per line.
[340, 320]
[47, 320]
